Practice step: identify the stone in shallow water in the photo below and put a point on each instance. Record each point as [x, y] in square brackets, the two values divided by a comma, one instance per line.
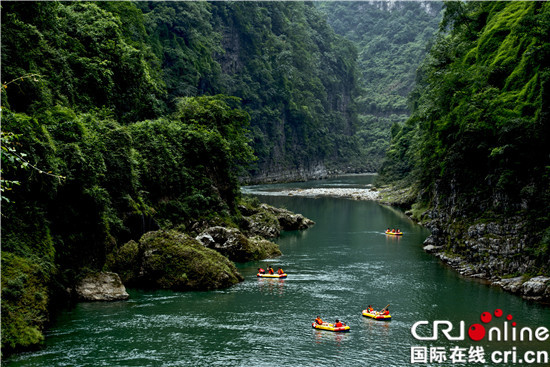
[102, 286]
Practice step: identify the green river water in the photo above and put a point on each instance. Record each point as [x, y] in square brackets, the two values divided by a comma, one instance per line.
[335, 269]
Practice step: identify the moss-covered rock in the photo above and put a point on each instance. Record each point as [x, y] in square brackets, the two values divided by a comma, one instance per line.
[173, 260]
[288, 220]
[261, 223]
[24, 302]
[27, 270]
[126, 261]
[267, 221]
[264, 248]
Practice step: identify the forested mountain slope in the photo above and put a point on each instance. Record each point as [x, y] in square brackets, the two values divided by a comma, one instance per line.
[297, 79]
[121, 117]
[392, 39]
[475, 150]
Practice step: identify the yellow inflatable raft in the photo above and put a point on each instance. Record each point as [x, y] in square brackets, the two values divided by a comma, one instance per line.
[394, 233]
[377, 316]
[330, 327]
[271, 275]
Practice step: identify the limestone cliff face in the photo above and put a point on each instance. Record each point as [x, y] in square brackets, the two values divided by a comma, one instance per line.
[298, 83]
[274, 172]
[497, 247]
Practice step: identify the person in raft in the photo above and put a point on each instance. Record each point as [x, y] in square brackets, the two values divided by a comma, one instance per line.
[261, 271]
[270, 270]
[337, 323]
[319, 321]
[280, 271]
[385, 311]
[370, 309]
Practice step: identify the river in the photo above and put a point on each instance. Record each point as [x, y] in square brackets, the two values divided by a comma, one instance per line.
[335, 269]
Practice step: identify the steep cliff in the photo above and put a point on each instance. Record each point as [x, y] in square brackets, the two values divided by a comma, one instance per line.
[475, 152]
[295, 76]
[297, 79]
[392, 39]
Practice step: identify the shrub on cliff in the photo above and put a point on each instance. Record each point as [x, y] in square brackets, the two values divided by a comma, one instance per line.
[27, 268]
[476, 146]
[24, 301]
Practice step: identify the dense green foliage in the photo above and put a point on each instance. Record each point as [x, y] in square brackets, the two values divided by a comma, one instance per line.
[85, 58]
[296, 78]
[117, 120]
[392, 40]
[108, 181]
[477, 142]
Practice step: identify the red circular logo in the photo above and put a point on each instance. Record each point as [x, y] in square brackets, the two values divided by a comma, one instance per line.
[476, 332]
[486, 317]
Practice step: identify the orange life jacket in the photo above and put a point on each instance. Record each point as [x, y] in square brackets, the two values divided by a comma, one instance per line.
[280, 271]
[319, 321]
[338, 324]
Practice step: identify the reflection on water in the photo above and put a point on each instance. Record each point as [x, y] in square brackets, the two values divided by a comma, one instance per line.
[335, 269]
[272, 286]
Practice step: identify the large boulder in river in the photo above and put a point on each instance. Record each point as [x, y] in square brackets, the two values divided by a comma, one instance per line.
[267, 221]
[260, 222]
[102, 286]
[172, 260]
[537, 288]
[288, 220]
[232, 243]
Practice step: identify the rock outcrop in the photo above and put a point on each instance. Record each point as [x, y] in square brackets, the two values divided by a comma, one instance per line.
[256, 221]
[177, 261]
[172, 260]
[231, 243]
[268, 221]
[536, 288]
[102, 286]
[288, 220]
[492, 250]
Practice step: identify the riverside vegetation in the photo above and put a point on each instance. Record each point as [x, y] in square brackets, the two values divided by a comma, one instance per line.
[121, 119]
[115, 124]
[473, 161]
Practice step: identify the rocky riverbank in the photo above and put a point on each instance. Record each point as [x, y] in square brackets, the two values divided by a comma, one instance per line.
[494, 250]
[498, 249]
[367, 193]
[168, 259]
